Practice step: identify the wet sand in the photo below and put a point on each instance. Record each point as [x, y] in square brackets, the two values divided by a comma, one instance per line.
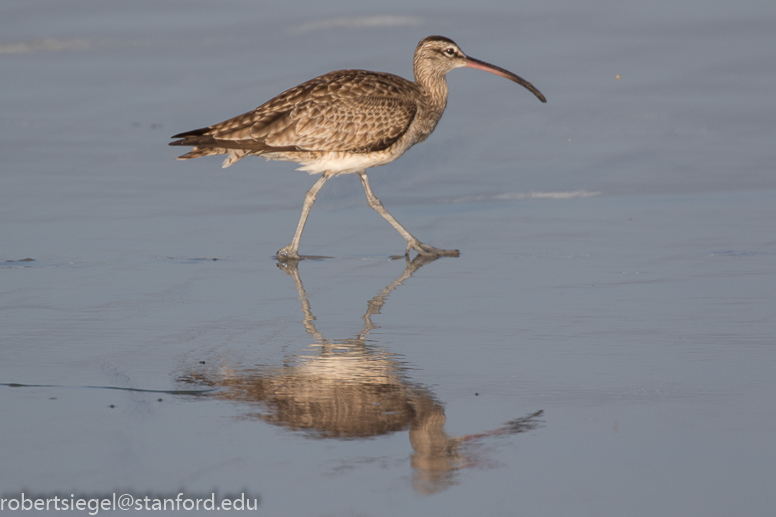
[604, 345]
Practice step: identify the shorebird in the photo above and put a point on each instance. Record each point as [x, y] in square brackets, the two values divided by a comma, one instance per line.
[345, 122]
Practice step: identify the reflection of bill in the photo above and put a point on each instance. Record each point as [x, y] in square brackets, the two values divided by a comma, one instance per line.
[351, 389]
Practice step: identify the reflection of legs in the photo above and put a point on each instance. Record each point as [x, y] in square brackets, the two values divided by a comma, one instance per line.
[412, 242]
[292, 250]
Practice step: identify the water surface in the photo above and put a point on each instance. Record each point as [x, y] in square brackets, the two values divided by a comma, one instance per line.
[603, 346]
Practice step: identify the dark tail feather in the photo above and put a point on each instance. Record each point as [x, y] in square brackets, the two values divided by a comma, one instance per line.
[194, 137]
[194, 132]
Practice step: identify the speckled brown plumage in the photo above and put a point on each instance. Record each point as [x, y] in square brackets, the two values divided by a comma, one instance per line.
[345, 122]
[348, 110]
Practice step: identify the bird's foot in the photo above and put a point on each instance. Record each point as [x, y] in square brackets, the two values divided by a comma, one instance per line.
[288, 253]
[429, 251]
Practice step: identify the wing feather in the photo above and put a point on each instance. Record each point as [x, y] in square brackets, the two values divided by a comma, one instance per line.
[352, 110]
[359, 125]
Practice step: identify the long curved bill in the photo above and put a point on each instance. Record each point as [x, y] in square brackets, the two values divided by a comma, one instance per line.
[493, 69]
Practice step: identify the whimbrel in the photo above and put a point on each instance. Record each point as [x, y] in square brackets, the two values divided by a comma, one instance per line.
[344, 122]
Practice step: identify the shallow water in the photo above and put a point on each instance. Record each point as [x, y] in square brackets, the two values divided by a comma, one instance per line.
[604, 345]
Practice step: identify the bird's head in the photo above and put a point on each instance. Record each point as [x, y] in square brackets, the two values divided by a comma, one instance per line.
[437, 55]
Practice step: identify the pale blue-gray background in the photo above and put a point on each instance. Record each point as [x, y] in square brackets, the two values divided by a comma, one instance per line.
[617, 269]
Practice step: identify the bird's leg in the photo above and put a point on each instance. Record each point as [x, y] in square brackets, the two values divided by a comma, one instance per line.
[292, 250]
[412, 242]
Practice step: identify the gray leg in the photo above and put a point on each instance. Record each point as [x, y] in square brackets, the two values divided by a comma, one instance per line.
[412, 242]
[292, 250]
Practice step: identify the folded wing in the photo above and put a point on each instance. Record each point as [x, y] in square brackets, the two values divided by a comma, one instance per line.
[355, 112]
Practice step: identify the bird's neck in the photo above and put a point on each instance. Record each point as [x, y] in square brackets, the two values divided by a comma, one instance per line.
[434, 85]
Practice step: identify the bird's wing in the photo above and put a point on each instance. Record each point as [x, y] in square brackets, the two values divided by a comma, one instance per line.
[347, 110]
[356, 124]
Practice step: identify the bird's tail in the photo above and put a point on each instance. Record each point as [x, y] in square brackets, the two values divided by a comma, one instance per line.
[233, 155]
[199, 137]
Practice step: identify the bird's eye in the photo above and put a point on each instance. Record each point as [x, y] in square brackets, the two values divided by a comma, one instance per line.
[449, 51]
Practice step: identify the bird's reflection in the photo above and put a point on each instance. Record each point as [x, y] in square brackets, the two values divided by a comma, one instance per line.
[351, 389]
